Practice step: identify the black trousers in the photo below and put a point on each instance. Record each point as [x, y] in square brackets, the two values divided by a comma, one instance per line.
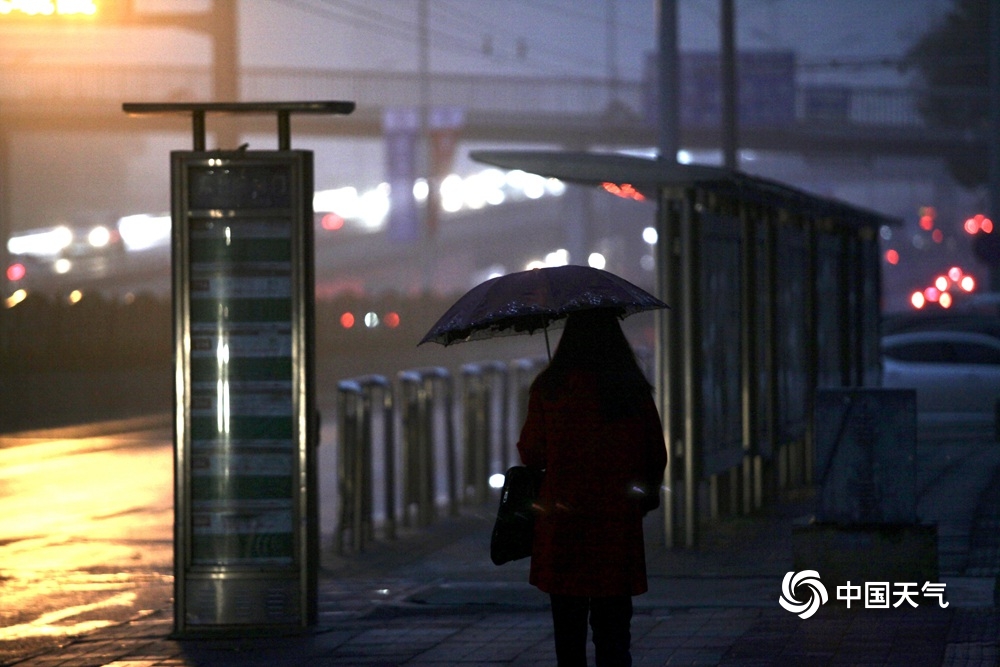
[611, 620]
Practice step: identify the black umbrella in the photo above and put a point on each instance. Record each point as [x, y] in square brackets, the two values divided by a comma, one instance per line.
[528, 301]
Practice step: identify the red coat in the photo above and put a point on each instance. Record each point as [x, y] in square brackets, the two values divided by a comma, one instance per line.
[588, 531]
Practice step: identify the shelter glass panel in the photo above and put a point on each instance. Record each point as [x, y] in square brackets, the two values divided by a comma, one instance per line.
[830, 323]
[721, 287]
[762, 428]
[791, 329]
[871, 312]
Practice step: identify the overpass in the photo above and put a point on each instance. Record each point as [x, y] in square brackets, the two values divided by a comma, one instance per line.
[570, 111]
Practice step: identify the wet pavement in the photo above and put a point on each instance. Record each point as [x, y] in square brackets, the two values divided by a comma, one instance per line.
[432, 597]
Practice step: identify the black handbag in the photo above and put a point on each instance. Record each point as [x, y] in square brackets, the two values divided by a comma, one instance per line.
[515, 524]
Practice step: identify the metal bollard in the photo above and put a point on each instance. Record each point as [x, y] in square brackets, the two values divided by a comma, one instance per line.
[475, 463]
[485, 409]
[356, 413]
[522, 373]
[425, 394]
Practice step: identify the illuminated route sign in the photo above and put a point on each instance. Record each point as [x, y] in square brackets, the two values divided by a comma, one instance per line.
[242, 256]
[64, 8]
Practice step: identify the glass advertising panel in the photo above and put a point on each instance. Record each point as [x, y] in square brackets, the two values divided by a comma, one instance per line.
[242, 415]
[242, 267]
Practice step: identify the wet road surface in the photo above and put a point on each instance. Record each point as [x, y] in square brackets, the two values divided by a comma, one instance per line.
[86, 531]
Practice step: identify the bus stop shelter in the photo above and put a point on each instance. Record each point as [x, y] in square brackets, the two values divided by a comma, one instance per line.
[774, 293]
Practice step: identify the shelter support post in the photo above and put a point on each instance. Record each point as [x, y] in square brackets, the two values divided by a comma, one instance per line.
[748, 354]
[812, 345]
[198, 129]
[766, 482]
[668, 356]
[843, 300]
[691, 340]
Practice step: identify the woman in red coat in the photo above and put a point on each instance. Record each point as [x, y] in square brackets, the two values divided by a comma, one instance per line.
[592, 425]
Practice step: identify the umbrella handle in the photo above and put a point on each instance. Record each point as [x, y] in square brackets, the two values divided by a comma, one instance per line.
[548, 350]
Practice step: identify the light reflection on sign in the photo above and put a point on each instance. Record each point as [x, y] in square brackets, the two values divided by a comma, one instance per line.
[48, 7]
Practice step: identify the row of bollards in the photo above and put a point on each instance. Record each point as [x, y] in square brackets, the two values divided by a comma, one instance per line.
[400, 459]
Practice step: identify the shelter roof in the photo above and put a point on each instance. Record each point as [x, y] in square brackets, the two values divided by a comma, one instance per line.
[651, 175]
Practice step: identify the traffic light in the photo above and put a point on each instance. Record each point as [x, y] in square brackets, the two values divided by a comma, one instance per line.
[985, 244]
[927, 215]
[16, 271]
[978, 223]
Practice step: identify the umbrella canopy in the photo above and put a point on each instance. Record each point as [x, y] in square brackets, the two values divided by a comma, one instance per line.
[529, 301]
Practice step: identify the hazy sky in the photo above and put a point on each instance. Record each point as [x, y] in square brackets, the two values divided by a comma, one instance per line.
[537, 37]
[588, 38]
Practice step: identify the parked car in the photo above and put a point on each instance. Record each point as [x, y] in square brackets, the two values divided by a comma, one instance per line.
[956, 375]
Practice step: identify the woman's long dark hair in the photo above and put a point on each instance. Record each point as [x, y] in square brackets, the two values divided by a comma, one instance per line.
[593, 341]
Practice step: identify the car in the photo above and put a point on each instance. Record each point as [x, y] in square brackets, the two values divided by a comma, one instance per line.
[956, 375]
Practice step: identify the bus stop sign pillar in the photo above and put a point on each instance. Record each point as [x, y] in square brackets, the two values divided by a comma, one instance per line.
[245, 425]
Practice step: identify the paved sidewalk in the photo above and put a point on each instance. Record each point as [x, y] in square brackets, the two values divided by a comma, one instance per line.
[433, 598]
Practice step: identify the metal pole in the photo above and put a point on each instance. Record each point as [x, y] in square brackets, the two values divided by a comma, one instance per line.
[812, 343]
[389, 458]
[668, 354]
[611, 50]
[729, 85]
[845, 270]
[5, 234]
[667, 223]
[427, 239]
[407, 403]
[475, 459]
[5, 207]
[994, 124]
[690, 271]
[500, 386]
[198, 129]
[364, 462]
[454, 494]
[425, 448]
[770, 356]
[749, 379]
[348, 398]
[284, 131]
[668, 118]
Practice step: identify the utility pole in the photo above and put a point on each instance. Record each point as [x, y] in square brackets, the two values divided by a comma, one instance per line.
[5, 226]
[611, 52]
[427, 233]
[668, 72]
[730, 157]
[994, 127]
